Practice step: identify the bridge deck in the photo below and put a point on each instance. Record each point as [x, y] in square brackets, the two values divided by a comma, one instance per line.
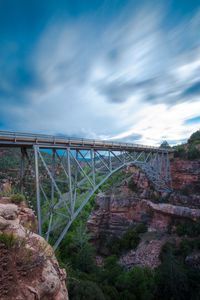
[16, 139]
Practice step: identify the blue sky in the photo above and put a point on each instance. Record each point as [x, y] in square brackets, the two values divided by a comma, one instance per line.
[110, 69]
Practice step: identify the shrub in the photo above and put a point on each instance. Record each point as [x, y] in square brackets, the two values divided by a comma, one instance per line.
[193, 152]
[171, 278]
[141, 228]
[138, 282]
[9, 240]
[180, 152]
[129, 240]
[110, 292]
[132, 186]
[185, 247]
[17, 198]
[195, 137]
[85, 290]
[188, 228]
[111, 270]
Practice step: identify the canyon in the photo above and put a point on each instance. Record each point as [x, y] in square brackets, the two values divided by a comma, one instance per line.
[136, 202]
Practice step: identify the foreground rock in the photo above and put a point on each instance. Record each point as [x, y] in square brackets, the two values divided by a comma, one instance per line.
[28, 267]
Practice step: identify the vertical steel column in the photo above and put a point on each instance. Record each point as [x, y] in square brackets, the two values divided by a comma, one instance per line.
[110, 161]
[53, 175]
[37, 182]
[92, 153]
[22, 165]
[70, 180]
[75, 182]
[168, 171]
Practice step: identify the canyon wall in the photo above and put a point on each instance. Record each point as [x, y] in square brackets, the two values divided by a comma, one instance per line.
[137, 202]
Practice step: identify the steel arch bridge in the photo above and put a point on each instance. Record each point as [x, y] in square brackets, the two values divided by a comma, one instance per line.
[68, 171]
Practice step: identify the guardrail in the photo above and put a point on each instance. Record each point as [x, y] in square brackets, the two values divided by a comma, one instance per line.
[20, 137]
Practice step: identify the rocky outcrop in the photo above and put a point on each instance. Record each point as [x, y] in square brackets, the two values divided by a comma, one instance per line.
[173, 210]
[28, 267]
[186, 173]
[116, 213]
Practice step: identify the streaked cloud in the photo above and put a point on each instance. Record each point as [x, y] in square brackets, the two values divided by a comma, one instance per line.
[130, 75]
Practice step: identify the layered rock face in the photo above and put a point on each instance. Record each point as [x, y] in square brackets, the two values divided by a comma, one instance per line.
[186, 181]
[28, 267]
[137, 203]
[116, 213]
[185, 173]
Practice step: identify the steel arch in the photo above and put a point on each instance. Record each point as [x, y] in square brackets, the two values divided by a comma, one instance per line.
[86, 171]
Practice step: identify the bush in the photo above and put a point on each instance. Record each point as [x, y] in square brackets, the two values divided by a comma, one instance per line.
[141, 228]
[180, 152]
[171, 278]
[186, 247]
[85, 290]
[193, 152]
[188, 228]
[17, 198]
[8, 240]
[138, 282]
[195, 137]
[110, 292]
[132, 186]
[129, 240]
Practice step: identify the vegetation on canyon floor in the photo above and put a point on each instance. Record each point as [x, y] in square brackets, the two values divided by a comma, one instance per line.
[173, 279]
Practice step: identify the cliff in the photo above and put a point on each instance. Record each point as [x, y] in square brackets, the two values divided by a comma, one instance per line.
[28, 267]
[137, 202]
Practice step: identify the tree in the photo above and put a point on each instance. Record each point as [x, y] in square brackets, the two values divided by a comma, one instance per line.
[138, 282]
[165, 144]
[171, 278]
[85, 290]
[195, 137]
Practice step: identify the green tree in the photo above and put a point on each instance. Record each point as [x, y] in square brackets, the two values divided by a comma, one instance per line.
[85, 290]
[171, 278]
[139, 282]
[195, 137]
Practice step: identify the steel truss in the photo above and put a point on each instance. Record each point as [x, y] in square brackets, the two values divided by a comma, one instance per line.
[66, 179]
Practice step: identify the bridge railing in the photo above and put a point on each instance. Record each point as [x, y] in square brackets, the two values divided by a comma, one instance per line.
[56, 139]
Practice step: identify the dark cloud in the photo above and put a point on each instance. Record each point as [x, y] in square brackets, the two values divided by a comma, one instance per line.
[17, 81]
[133, 138]
[193, 90]
[119, 91]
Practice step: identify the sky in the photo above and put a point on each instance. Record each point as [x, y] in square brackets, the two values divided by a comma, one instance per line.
[102, 69]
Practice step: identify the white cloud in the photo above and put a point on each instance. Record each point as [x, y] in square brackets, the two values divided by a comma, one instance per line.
[75, 58]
